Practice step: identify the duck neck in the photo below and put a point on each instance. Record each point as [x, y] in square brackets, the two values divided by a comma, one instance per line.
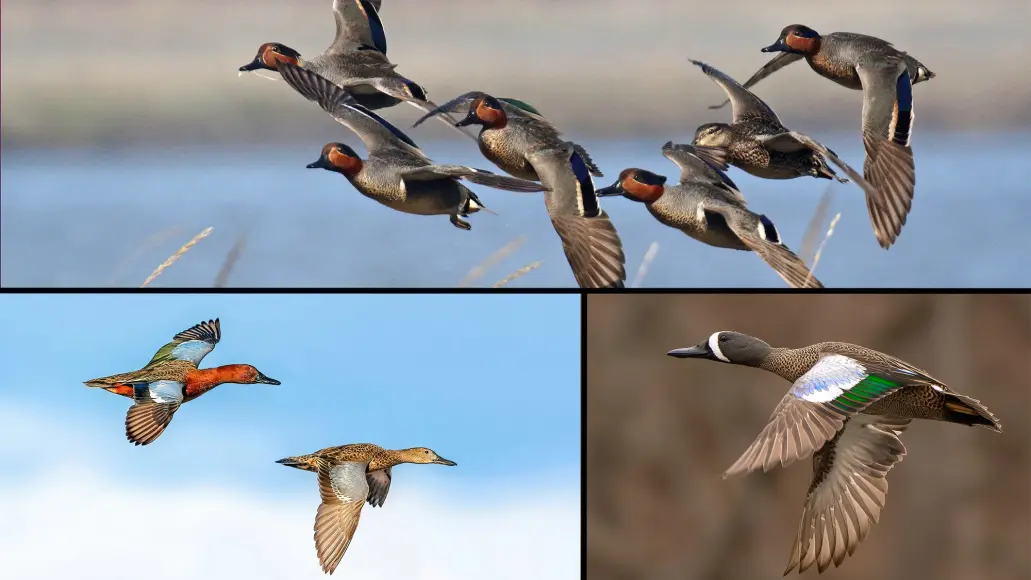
[201, 381]
[388, 458]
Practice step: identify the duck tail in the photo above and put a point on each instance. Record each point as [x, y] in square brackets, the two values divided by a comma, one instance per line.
[967, 411]
[305, 462]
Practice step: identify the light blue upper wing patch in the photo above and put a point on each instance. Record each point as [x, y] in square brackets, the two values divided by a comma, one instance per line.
[832, 375]
[192, 350]
[159, 392]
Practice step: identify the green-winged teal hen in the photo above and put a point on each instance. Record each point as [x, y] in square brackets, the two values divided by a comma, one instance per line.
[172, 378]
[519, 140]
[886, 76]
[349, 476]
[707, 205]
[846, 407]
[758, 142]
[396, 173]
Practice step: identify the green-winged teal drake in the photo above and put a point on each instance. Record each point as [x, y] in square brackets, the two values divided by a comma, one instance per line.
[511, 130]
[707, 205]
[758, 142]
[172, 378]
[846, 407]
[519, 140]
[589, 240]
[396, 173]
[355, 61]
[886, 76]
[349, 476]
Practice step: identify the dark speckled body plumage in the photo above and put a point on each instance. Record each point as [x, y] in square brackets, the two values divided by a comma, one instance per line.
[348, 477]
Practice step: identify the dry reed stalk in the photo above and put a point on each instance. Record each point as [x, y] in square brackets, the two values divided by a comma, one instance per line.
[518, 273]
[812, 231]
[649, 257]
[172, 259]
[148, 244]
[819, 251]
[230, 262]
[492, 260]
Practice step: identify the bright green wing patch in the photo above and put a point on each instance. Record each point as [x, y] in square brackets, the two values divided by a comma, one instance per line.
[867, 391]
[522, 105]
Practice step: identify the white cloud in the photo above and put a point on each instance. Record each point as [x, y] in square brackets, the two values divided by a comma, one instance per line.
[75, 523]
[72, 518]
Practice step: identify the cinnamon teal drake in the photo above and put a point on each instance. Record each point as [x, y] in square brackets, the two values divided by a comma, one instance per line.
[396, 172]
[846, 407]
[355, 61]
[886, 76]
[519, 140]
[172, 378]
[707, 205]
[758, 142]
[349, 476]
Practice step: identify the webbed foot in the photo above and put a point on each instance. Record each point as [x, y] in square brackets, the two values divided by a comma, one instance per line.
[460, 223]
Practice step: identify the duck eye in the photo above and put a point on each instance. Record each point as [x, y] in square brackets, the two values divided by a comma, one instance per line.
[426, 452]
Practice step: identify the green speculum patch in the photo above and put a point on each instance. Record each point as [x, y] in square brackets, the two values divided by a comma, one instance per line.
[862, 394]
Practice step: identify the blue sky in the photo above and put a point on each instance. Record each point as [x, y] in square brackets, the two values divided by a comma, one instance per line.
[489, 381]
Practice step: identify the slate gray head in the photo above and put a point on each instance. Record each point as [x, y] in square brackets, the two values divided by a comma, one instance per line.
[729, 347]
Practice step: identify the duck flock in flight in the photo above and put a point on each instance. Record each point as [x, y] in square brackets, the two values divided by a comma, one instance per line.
[353, 78]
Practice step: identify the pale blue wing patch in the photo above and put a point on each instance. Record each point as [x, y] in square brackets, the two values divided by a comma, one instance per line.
[192, 350]
[831, 376]
[159, 392]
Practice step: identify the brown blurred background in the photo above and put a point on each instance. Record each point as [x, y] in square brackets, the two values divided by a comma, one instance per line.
[121, 72]
[661, 431]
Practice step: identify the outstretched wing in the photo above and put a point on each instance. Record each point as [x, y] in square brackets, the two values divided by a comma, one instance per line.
[847, 492]
[776, 63]
[461, 104]
[590, 241]
[745, 104]
[835, 389]
[357, 25]
[480, 176]
[344, 489]
[379, 486]
[697, 166]
[155, 404]
[190, 345]
[374, 131]
[887, 125]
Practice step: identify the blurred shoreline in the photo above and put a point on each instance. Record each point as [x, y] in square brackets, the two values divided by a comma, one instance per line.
[119, 73]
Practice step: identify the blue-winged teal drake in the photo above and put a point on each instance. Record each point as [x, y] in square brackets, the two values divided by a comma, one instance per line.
[758, 142]
[349, 476]
[846, 407]
[519, 140]
[886, 76]
[707, 205]
[172, 378]
[396, 173]
[355, 61]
